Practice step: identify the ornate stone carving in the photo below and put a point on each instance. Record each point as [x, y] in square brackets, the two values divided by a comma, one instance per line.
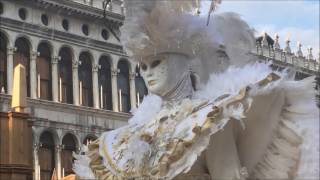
[287, 49]
[264, 42]
[59, 147]
[276, 43]
[309, 55]
[132, 76]
[34, 55]
[114, 72]
[11, 50]
[96, 67]
[75, 64]
[308, 62]
[55, 59]
[299, 51]
[36, 147]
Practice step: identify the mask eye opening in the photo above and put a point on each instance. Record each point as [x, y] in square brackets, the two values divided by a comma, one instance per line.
[143, 66]
[155, 63]
[195, 79]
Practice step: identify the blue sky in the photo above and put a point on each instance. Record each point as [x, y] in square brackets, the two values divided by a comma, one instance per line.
[297, 20]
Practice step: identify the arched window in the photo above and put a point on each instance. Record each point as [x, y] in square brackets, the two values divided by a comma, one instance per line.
[141, 88]
[123, 86]
[22, 56]
[105, 92]
[65, 76]
[89, 139]
[46, 155]
[85, 79]
[44, 72]
[69, 145]
[3, 63]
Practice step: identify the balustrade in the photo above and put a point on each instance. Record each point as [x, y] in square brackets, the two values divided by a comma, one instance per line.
[286, 55]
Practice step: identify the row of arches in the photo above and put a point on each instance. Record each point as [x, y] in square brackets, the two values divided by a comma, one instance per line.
[66, 62]
[48, 151]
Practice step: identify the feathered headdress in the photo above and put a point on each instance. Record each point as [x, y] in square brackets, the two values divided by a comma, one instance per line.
[174, 26]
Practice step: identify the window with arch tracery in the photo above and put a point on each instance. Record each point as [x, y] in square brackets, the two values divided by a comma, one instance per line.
[69, 145]
[46, 155]
[123, 86]
[3, 63]
[22, 56]
[85, 80]
[105, 90]
[44, 90]
[65, 76]
[141, 88]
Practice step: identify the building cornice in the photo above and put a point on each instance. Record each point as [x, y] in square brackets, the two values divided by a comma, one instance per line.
[60, 36]
[62, 107]
[281, 64]
[70, 8]
[45, 123]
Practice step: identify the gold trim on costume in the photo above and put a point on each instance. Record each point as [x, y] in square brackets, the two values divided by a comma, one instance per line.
[175, 149]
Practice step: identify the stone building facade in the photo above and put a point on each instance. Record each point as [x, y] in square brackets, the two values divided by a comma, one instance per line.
[79, 80]
[268, 49]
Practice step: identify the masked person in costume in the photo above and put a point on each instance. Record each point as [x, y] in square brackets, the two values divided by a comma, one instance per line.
[213, 111]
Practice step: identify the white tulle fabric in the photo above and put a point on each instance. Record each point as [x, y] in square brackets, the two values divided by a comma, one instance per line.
[81, 165]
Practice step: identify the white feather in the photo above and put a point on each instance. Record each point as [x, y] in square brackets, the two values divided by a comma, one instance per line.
[81, 165]
[147, 110]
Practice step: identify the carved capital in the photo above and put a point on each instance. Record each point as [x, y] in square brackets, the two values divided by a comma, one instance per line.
[114, 72]
[36, 147]
[75, 64]
[132, 76]
[96, 67]
[11, 50]
[55, 59]
[59, 147]
[34, 55]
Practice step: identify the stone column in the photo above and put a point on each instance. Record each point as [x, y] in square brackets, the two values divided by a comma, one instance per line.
[10, 53]
[57, 158]
[54, 76]
[75, 82]
[36, 162]
[133, 95]
[115, 101]
[95, 86]
[33, 74]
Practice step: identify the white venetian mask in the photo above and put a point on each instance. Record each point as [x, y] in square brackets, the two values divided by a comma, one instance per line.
[162, 72]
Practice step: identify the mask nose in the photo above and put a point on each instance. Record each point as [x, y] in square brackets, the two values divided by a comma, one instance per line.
[149, 73]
